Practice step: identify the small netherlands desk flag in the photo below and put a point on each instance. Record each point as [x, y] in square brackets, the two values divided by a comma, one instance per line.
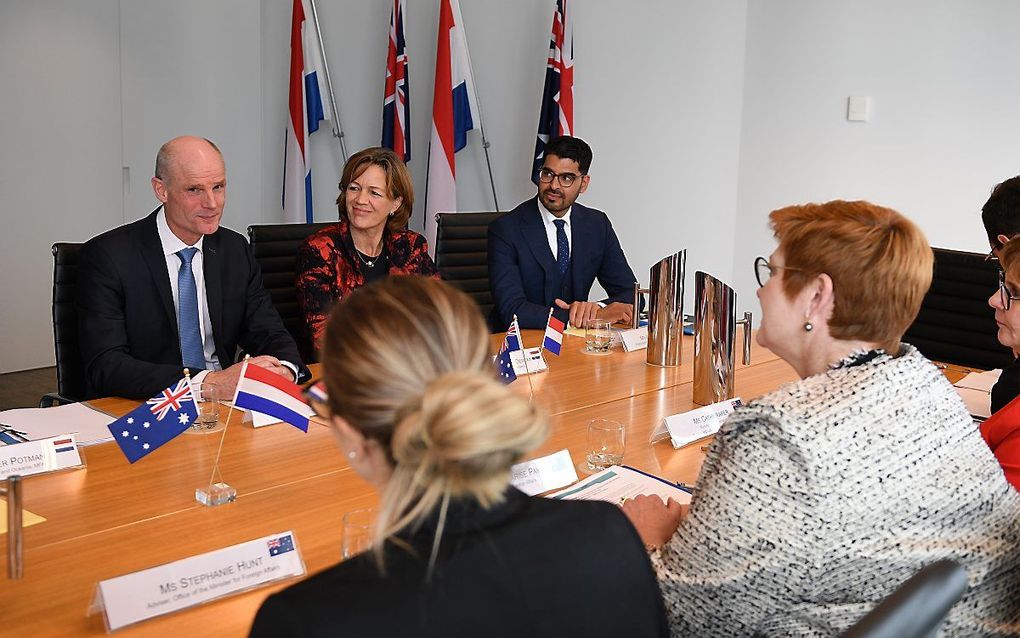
[553, 334]
[263, 391]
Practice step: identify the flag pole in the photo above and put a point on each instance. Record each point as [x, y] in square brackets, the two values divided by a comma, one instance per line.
[524, 357]
[481, 126]
[226, 422]
[547, 320]
[338, 128]
[191, 390]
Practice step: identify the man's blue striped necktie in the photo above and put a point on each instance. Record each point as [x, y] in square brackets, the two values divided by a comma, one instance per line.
[192, 352]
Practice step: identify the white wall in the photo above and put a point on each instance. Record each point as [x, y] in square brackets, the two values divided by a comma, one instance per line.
[60, 177]
[944, 126]
[704, 115]
[659, 101]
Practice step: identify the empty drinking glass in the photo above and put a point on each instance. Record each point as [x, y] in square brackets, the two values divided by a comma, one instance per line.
[606, 442]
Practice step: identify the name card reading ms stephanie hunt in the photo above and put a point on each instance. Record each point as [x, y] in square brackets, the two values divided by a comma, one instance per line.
[132, 598]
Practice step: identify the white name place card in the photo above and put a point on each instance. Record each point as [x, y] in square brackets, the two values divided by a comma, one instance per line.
[37, 457]
[153, 592]
[687, 427]
[258, 419]
[535, 361]
[543, 474]
[634, 339]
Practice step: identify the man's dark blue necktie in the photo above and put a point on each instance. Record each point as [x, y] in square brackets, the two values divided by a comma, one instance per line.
[562, 246]
[192, 352]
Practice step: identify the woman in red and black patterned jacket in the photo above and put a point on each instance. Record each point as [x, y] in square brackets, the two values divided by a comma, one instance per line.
[369, 243]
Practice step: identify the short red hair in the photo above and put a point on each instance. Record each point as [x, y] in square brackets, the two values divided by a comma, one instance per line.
[879, 261]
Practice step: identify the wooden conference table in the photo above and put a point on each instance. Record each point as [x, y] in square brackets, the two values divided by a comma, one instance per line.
[114, 518]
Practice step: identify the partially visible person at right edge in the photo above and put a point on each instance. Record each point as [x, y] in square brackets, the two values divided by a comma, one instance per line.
[1001, 218]
[1002, 430]
[418, 413]
[816, 501]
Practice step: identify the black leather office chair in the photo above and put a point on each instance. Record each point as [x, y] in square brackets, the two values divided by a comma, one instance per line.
[462, 251]
[918, 607]
[275, 248]
[70, 367]
[956, 324]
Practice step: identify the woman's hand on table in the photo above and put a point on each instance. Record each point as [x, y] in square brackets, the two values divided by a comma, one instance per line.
[654, 520]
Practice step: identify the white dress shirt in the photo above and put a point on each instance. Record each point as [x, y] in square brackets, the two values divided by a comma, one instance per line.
[550, 227]
[171, 244]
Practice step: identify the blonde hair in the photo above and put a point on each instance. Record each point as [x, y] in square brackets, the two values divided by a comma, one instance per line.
[407, 363]
[879, 261]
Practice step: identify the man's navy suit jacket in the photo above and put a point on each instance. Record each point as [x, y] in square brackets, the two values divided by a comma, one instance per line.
[523, 276]
[127, 321]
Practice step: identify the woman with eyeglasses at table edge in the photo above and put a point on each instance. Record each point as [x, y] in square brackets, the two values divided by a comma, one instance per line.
[817, 500]
[417, 411]
[1002, 433]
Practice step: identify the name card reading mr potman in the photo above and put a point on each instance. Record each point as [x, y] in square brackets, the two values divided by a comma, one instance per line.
[37, 457]
[132, 598]
[687, 427]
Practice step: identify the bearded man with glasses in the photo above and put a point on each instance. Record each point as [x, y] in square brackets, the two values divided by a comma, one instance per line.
[549, 250]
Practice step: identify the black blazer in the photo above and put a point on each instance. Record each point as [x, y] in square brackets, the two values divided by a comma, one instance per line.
[127, 322]
[522, 268]
[528, 567]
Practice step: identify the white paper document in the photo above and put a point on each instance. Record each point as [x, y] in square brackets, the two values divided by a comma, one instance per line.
[543, 474]
[88, 424]
[979, 380]
[618, 483]
[975, 390]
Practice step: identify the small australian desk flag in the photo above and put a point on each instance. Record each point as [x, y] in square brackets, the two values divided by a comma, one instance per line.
[511, 343]
[156, 421]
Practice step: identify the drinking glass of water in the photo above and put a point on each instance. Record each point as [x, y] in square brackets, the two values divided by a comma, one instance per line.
[598, 334]
[606, 442]
[357, 531]
[207, 397]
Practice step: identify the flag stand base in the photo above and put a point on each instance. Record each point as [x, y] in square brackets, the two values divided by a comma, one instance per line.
[215, 494]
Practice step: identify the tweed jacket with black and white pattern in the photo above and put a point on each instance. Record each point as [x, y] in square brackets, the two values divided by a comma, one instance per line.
[816, 501]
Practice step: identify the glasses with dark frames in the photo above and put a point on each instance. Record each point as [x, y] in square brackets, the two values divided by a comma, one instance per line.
[763, 270]
[566, 180]
[1005, 294]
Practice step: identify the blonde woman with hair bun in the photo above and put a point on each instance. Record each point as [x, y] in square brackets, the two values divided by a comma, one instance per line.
[419, 414]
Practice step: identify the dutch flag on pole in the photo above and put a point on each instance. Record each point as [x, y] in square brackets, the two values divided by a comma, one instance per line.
[454, 113]
[263, 391]
[307, 108]
[553, 340]
[557, 116]
[396, 133]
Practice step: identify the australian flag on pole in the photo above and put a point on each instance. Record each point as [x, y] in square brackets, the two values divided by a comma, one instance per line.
[396, 133]
[557, 115]
[504, 364]
[156, 421]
